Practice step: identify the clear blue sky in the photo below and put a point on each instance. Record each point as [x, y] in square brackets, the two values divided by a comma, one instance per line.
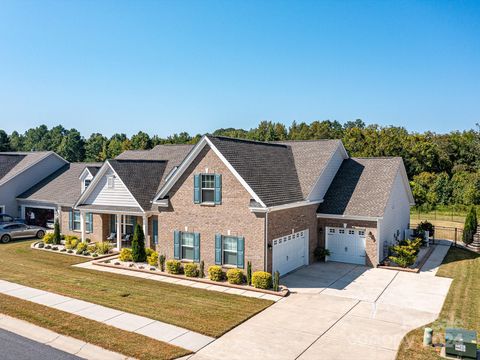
[169, 66]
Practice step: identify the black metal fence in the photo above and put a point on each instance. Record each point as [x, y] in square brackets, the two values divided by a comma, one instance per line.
[454, 234]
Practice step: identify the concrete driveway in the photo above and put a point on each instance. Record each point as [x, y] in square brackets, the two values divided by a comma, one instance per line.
[338, 311]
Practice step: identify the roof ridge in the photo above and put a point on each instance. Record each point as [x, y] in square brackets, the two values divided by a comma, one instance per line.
[267, 143]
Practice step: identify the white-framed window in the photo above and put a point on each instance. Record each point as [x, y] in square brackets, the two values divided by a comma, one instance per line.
[351, 232]
[207, 188]
[229, 250]
[86, 183]
[331, 231]
[76, 221]
[361, 232]
[111, 182]
[186, 245]
[341, 231]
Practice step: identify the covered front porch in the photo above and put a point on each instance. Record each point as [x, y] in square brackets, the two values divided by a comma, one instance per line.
[114, 225]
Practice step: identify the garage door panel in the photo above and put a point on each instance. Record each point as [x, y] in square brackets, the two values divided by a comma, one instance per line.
[346, 245]
[290, 252]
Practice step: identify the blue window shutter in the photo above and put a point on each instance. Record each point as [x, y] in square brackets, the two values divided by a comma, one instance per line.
[176, 244]
[218, 189]
[113, 224]
[196, 189]
[218, 249]
[196, 247]
[155, 231]
[240, 252]
[70, 219]
[90, 222]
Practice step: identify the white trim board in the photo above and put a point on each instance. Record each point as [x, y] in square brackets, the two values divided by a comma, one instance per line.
[348, 217]
[189, 159]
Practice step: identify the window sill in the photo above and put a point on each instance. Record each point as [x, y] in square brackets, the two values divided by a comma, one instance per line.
[207, 204]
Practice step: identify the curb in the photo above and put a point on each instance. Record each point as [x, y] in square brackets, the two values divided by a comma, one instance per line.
[60, 342]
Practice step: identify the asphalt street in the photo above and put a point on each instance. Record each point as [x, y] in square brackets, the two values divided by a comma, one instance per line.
[15, 347]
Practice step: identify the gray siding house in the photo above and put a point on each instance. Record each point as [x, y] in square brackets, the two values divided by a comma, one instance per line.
[19, 171]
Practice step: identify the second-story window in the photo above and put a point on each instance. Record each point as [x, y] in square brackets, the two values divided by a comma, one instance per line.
[208, 188]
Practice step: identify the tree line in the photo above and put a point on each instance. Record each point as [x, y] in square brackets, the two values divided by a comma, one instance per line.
[444, 169]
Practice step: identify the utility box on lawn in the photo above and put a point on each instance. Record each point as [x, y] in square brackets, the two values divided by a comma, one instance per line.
[461, 342]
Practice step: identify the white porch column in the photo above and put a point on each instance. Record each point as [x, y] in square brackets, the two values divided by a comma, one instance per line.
[145, 230]
[82, 226]
[119, 231]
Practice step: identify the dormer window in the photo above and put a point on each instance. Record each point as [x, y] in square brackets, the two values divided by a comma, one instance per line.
[111, 182]
[86, 183]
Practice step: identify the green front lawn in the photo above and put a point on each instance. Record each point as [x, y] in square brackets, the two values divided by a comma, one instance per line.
[207, 312]
[461, 307]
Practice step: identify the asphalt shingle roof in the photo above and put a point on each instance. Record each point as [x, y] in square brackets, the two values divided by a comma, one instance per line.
[63, 187]
[268, 168]
[173, 154]
[141, 177]
[311, 157]
[361, 187]
[13, 163]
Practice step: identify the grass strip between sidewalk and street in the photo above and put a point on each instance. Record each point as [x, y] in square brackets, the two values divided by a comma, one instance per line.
[461, 308]
[90, 331]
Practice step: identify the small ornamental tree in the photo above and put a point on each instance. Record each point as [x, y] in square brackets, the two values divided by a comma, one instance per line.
[138, 245]
[56, 233]
[470, 225]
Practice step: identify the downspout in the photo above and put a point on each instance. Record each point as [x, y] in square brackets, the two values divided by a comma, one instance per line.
[266, 242]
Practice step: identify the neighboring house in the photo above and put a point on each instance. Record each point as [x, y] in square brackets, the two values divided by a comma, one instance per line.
[19, 171]
[55, 196]
[229, 201]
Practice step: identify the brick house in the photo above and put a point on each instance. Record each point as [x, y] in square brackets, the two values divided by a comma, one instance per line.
[230, 201]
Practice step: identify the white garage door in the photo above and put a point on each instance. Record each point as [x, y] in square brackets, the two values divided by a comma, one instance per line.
[346, 245]
[290, 252]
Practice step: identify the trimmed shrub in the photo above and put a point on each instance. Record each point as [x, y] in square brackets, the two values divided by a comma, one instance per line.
[48, 238]
[103, 248]
[470, 226]
[152, 259]
[138, 245]
[71, 242]
[425, 226]
[276, 281]
[249, 273]
[91, 248]
[149, 251]
[125, 255]
[56, 233]
[235, 276]
[81, 248]
[321, 253]
[174, 267]
[215, 273]
[190, 270]
[161, 261]
[201, 272]
[405, 254]
[262, 280]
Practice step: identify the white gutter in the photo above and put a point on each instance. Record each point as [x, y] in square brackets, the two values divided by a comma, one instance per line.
[349, 217]
[285, 206]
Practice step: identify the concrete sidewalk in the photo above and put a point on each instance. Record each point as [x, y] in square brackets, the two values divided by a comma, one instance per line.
[66, 344]
[154, 329]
